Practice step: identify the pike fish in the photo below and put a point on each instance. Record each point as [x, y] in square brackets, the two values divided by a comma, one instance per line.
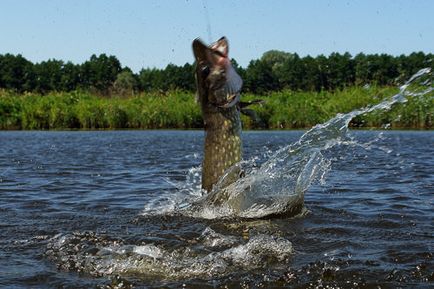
[218, 93]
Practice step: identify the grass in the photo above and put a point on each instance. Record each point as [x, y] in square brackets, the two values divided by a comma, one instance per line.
[177, 109]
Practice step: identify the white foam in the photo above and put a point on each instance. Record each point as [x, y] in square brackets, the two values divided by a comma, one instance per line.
[148, 250]
[280, 183]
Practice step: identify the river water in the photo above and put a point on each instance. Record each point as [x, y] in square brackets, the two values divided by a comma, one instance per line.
[76, 212]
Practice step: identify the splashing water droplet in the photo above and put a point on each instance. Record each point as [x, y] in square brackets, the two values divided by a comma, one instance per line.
[278, 185]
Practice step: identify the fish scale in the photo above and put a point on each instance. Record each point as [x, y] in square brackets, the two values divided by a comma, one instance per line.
[218, 87]
[222, 143]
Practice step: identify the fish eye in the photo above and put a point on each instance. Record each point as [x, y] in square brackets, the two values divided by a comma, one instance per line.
[204, 70]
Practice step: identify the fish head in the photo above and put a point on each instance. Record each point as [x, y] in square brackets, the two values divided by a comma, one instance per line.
[218, 82]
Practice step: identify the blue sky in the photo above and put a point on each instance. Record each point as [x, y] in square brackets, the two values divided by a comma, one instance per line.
[155, 33]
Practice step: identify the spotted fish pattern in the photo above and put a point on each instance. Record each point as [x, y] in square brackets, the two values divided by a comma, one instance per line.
[218, 93]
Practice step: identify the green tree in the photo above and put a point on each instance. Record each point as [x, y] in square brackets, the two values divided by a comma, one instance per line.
[361, 67]
[151, 79]
[99, 72]
[323, 68]
[70, 78]
[410, 64]
[16, 73]
[125, 83]
[340, 70]
[289, 71]
[311, 75]
[178, 77]
[387, 70]
[48, 75]
[259, 77]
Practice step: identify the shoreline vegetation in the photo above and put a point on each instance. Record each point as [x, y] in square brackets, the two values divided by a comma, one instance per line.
[178, 109]
[299, 92]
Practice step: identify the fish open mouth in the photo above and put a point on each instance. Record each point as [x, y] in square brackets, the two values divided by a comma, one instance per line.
[215, 69]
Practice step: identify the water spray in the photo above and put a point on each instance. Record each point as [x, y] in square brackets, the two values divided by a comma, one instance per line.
[208, 23]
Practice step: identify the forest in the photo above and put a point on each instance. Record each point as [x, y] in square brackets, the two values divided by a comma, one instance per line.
[274, 71]
[298, 91]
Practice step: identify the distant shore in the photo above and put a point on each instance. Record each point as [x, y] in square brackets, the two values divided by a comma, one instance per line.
[178, 110]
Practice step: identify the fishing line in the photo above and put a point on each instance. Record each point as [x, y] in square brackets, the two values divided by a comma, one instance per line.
[208, 23]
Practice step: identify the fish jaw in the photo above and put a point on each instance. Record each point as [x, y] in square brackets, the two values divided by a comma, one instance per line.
[218, 83]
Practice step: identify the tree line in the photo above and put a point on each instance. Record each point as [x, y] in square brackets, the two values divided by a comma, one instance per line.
[274, 71]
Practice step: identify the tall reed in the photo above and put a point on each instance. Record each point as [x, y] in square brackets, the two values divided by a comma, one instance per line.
[178, 109]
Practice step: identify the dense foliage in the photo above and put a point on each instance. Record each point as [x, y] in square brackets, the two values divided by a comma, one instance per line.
[274, 71]
[299, 92]
[177, 109]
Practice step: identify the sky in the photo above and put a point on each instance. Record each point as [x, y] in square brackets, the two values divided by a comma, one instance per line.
[154, 33]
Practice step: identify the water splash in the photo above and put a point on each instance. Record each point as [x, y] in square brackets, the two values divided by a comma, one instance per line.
[275, 187]
[278, 186]
[208, 23]
[169, 202]
[97, 255]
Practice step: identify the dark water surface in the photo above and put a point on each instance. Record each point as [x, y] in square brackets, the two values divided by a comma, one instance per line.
[71, 208]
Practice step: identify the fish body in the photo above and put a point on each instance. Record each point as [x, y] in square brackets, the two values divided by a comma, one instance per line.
[218, 93]
[228, 190]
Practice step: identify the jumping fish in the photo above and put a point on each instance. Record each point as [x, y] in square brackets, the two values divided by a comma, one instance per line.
[218, 93]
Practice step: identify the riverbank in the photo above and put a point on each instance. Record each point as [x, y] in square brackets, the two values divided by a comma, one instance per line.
[178, 110]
